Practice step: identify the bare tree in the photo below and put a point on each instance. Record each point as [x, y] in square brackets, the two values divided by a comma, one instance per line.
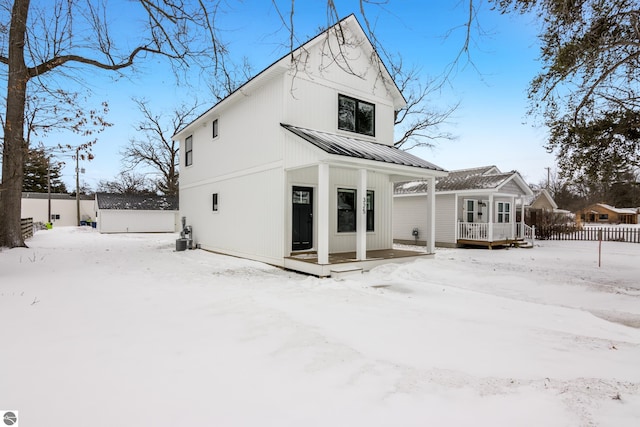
[55, 36]
[418, 124]
[126, 183]
[154, 147]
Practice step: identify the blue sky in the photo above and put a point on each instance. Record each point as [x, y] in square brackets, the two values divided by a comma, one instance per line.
[491, 124]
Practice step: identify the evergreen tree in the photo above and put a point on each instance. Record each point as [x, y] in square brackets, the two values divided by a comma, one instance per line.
[35, 173]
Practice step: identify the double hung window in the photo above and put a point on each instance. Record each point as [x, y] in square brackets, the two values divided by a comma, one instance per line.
[188, 150]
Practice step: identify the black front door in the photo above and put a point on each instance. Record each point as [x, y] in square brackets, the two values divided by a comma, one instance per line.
[302, 214]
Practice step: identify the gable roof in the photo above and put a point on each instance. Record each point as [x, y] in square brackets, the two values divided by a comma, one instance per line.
[358, 148]
[538, 198]
[487, 178]
[282, 64]
[142, 202]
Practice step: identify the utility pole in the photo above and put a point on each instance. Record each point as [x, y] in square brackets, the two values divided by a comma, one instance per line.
[78, 185]
[548, 177]
[48, 189]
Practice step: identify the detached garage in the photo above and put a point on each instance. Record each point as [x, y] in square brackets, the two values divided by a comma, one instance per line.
[136, 213]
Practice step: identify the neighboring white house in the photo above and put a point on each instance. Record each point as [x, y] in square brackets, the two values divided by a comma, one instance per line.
[295, 168]
[64, 208]
[136, 213]
[473, 206]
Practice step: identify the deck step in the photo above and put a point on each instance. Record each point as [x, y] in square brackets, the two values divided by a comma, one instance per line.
[341, 272]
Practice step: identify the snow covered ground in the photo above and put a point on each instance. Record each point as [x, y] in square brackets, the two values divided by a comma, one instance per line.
[108, 330]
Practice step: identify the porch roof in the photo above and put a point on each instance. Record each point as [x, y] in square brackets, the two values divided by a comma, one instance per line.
[486, 179]
[360, 149]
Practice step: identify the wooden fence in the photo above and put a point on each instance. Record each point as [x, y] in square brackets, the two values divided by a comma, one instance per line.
[26, 226]
[610, 234]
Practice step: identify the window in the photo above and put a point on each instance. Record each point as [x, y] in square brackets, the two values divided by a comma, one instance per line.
[347, 201]
[188, 151]
[503, 211]
[603, 217]
[356, 116]
[470, 208]
[214, 125]
[215, 202]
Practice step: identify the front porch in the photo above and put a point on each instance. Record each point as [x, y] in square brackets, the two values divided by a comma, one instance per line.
[307, 262]
[493, 234]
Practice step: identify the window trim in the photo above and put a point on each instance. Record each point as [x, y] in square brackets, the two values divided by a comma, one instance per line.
[503, 216]
[188, 151]
[215, 129]
[357, 123]
[215, 202]
[370, 206]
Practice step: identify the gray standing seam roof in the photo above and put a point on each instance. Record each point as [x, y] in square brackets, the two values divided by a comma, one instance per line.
[359, 148]
[148, 202]
[460, 180]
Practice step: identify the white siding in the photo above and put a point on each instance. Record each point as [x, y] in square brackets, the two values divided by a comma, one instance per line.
[446, 220]
[410, 212]
[250, 217]
[67, 209]
[381, 237]
[137, 221]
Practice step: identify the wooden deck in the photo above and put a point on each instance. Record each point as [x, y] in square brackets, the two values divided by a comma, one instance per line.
[307, 262]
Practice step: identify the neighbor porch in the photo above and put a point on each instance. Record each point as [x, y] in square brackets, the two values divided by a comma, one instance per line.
[493, 234]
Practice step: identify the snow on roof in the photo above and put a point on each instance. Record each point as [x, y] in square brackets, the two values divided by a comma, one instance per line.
[146, 202]
[619, 210]
[55, 196]
[481, 178]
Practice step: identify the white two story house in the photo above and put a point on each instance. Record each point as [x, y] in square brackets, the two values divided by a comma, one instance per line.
[296, 167]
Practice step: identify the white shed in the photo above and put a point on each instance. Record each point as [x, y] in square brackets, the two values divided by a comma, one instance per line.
[136, 213]
[64, 208]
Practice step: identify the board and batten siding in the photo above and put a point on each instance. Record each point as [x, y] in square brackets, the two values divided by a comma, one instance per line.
[249, 136]
[250, 218]
[409, 212]
[446, 220]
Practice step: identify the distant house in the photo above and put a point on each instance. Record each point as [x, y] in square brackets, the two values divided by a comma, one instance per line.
[64, 208]
[473, 207]
[605, 214]
[541, 210]
[296, 167]
[136, 213]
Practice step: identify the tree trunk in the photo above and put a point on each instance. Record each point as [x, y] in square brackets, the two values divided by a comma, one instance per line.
[14, 144]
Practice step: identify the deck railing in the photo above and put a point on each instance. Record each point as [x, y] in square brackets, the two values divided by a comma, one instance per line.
[481, 231]
[473, 231]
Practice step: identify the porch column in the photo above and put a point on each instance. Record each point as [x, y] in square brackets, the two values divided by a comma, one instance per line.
[323, 214]
[490, 219]
[361, 216]
[522, 223]
[431, 215]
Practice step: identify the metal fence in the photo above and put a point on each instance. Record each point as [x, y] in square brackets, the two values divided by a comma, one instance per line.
[567, 232]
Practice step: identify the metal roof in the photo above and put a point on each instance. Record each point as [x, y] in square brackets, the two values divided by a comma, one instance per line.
[360, 149]
[482, 178]
[143, 202]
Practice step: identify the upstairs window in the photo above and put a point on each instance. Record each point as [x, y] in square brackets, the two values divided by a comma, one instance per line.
[214, 125]
[188, 150]
[356, 116]
[215, 202]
